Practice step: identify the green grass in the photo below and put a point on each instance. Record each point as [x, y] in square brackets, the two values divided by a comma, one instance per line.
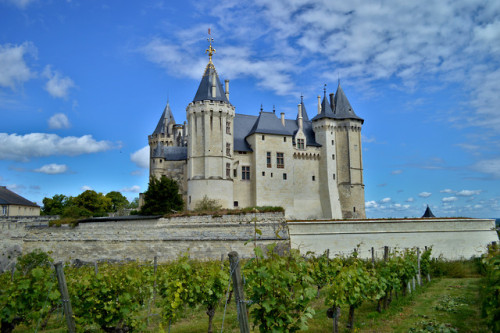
[444, 300]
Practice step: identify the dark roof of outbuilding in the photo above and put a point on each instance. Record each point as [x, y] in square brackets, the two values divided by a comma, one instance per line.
[7, 197]
[166, 118]
[428, 212]
[205, 89]
[268, 123]
[170, 153]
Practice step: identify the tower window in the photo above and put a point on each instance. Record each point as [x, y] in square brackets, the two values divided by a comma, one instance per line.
[263, 173]
[284, 139]
[245, 173]
[333, 142]
[300, 143]
[228, 149]
[228, 170]
[263, 137]
[334, 176]
[354, 209]
[236, 204]
[228, 127]
[268, 159]
[333, 156]
[313, 178]
[284, 176]
[280, 160]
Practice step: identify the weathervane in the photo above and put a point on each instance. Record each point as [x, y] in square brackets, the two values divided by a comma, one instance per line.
[210, 49]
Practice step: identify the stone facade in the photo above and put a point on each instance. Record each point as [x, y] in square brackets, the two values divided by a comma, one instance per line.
[312, 168]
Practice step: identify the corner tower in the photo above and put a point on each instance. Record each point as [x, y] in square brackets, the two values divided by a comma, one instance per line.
[210, 119]
[349, 156]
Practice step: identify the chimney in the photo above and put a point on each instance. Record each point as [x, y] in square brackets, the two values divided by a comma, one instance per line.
[283, 118]
[214, 88]
[185, 130]
[227, 89]
[319, 104]
[332, 103]
[300, 117]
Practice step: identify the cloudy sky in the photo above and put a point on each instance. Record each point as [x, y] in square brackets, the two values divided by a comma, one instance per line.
[82, 84]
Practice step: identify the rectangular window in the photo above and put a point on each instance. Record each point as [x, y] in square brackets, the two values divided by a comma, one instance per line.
[228, 127]
[300, 143]
[4, 210]
[284, 176]
[263, 173]
[333, 176]
[236, 204]
[284, 139]
[245, 173]
[280, 160]
[333, 156]
[228, 149]
[235, 173]
[333, 142]
[314, 178]
[263, 137]
[268, 159]
[228, 170]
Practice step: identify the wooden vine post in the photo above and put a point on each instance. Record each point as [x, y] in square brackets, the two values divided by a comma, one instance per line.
[239, 295]
[66, 302]
[419, 276]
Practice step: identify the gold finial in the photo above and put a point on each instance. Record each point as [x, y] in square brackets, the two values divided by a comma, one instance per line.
[210, 49]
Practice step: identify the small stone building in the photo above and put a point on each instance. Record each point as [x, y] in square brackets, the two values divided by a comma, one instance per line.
[310, 166]
[12, 204]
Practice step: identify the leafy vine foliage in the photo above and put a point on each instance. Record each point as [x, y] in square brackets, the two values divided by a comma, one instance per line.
[491, 292]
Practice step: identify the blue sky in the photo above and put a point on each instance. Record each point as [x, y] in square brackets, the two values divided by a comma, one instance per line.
[82, 84]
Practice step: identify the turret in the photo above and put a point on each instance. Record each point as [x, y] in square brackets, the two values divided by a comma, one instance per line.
[210, 147]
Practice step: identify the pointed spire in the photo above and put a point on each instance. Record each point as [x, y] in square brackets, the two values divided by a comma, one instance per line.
[166, 118]
[325, 106]
[305, 117]
[428, 212]
[343, 109]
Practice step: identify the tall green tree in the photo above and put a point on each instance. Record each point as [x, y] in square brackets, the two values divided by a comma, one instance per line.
[162, 197]
[54, 205]
[118, 200]
[96, 203]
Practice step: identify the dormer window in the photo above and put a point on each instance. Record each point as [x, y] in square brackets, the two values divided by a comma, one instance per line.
[300, 143]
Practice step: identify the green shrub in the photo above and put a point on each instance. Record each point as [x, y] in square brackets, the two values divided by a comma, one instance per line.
[207, 205]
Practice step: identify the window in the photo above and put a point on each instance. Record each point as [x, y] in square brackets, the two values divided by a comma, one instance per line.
[354, 209]
[333, 142]
[314, 178]
[300, 143]
[263, 173]
[280, 160]
[245, 173]
[268, 159]
[271, 175]
[228, 170]
[284, 139]
[4, 210]
[228, 149]
[235, 173]
[263, 137]
[228, 127]
[189, 199]
[236, 204]
[284, 176]
[333, 176]
[333, 156]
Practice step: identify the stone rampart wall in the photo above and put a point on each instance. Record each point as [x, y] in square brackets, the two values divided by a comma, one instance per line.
[451, 238]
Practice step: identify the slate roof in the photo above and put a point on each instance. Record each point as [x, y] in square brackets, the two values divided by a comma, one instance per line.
[343, 109]
[243, 124]
[7, 197]
[305, 117]
[293, 126]
[166, 118]
[170, 153]
[205, 88]
[326, 110]
[268, 123]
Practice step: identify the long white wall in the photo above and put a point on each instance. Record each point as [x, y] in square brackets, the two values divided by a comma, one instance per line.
[451, 238]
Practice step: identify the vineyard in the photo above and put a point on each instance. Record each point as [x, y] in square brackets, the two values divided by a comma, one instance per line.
[281, 291]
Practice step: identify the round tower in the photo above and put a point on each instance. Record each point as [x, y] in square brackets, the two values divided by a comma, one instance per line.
[210, 148]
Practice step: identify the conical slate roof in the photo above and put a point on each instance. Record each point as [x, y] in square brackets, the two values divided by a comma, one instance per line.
[428, 212]
[166, 118]
[205, 89]
[343, 109]
[326, 110]
[305, 117]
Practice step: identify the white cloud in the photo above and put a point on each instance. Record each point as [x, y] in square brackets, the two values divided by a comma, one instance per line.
[468, 193]
[447, 190]
[396, 172]
[424, 194]
[58, 121]
[52, 169]
[449, 199]
[490, 167]
[57, 85]
[410, 199]
[385, 200]
[141, 157]
[21, 4]
[86, 188]
[23, 147]
[371, 204]
[133, 189]
[13, 69]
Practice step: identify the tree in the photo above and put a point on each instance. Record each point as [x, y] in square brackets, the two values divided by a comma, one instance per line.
[162, 197]
[118, 200]
[134, 204]
[96, 203]
[54, 205]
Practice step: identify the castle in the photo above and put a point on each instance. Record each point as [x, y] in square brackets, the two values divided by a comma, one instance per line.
[311, 167]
